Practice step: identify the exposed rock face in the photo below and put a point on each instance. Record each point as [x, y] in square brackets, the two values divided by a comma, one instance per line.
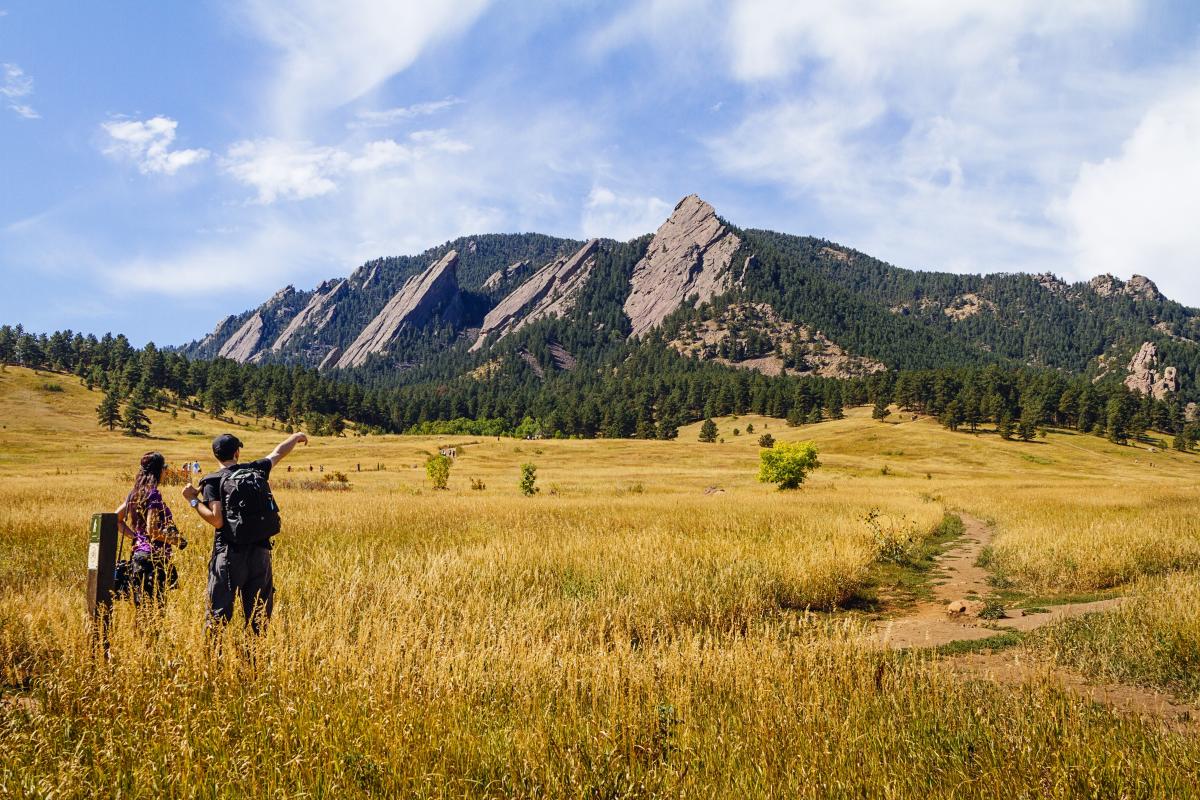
[501, 275]
[763, 337]
[219, 333]
[1105, 285]
[689, 255]
[1143, 288]
[244, 342]
[331, 358]
[967, 305]
[835, 254]
[551, 291]
[1051, 283]
[434, 291]
[316, 315]
[1139, 287]
[1145, 379]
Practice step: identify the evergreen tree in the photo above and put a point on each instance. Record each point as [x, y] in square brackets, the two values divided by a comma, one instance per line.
[708, 431]
[135, 422]
[109, 411]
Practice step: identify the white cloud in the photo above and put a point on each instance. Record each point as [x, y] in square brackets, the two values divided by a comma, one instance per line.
[934, 135]
[337, 52]
[391, 116]
[280, 170]
[17, 86]
[621, 217]
[1139, 211]
[148, 144]
[861, 41]
[283, 170]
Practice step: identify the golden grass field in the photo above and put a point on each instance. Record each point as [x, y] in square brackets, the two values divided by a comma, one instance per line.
[624, 633]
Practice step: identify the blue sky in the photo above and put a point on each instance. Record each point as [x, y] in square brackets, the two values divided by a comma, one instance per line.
[165, 164]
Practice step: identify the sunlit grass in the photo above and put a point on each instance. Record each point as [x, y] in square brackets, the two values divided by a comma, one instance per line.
[591, 641]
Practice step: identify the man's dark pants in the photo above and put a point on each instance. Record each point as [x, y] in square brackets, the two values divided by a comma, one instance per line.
[240, 571]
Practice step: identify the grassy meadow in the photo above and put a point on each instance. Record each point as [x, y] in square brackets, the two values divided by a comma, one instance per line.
[654, 622]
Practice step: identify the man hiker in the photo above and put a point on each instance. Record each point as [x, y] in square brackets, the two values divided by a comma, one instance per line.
[236, 500]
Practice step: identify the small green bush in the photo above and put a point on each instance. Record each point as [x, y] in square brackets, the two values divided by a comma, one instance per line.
[528, 482]
[787, 464]
[438, 470]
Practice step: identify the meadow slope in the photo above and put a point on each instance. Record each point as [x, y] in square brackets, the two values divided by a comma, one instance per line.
[654, 622]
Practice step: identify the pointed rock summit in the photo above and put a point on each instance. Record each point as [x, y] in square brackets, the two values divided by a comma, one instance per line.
[316, 315]
[434, 291]
[551, 291]
[690, 254]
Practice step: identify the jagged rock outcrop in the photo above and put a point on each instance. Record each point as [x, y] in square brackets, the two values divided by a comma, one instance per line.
[243, 344]
[314, 316]
[1052, 283]
[501, 275]
[433, 292]
[1138, 287]
[689, 255]
[967, 305]
[551, 291]
[1146, 379]
[219, 334]
[768, 344]
[1141, 287]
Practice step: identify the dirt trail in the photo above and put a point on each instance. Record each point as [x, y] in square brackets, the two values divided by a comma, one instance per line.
[929, 626]
[1014, 668]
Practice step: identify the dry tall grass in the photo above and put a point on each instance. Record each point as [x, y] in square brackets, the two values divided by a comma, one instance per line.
[593, 642]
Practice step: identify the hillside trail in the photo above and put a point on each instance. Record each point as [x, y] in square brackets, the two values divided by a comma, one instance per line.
[928, 625]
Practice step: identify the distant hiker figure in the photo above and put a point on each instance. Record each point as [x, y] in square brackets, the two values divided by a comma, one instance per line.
[236, 500]
[145, 518]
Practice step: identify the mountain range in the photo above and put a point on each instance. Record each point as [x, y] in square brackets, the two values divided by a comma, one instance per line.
[709, 290]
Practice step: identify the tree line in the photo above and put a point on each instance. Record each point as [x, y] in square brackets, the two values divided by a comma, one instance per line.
[639, 390]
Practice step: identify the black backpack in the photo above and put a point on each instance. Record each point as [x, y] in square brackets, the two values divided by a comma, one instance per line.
[251, 513]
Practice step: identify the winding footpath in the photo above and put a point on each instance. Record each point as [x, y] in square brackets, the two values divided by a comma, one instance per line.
[928, 625]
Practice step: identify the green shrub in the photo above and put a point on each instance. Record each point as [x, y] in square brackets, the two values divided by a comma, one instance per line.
[528, 482]
[787, 464]
[438, 470]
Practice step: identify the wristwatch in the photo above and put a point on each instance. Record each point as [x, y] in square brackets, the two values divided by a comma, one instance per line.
[194, 502]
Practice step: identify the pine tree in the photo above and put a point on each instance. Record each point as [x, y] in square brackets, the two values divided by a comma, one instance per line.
[135, 422]
[109, 411]
[708, 431]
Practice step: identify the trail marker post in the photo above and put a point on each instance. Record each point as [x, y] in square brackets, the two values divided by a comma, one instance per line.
[102, 564]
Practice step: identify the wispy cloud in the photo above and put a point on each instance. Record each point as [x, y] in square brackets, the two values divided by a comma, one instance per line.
[17, 86]
[147, 143]
[391, 116]
[936, 136]
[334, 53]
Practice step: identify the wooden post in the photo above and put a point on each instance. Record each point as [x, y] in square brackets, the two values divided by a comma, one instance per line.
[102, 563]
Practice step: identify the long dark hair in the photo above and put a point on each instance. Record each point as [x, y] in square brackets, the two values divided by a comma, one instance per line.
[149, 474]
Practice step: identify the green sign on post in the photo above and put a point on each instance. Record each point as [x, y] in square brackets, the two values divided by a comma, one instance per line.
[101, 564]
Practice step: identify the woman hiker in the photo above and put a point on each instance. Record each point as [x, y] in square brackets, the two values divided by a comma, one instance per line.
[145, 518]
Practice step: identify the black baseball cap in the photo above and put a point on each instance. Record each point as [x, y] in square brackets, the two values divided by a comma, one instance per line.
[225, 445]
